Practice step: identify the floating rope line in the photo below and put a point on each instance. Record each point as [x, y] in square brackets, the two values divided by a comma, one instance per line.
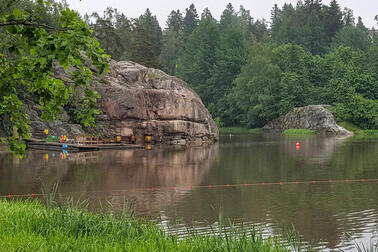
[190, 187]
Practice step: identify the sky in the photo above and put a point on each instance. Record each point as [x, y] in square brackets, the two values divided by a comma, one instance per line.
[260, 9]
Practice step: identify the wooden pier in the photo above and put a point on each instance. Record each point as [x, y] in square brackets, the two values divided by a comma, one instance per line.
[42, 145]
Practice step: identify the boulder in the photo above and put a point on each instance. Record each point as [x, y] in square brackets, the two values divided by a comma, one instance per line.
[313, 117]
[140, 101]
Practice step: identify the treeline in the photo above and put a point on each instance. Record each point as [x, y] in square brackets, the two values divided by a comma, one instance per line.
[248, 73]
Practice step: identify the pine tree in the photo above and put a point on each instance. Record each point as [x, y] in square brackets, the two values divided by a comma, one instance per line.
[190, 20]
[228, 17]
[175, 21]
[276, 21]
[333, 19]
[172, 48]
[206, 14]
[245, 22]
[123, 30]
[229, 61]
[151, 26]
[105, 32]
[172, 42]
[361, 25]
[142, 50]
[199, 56]
[348, 18]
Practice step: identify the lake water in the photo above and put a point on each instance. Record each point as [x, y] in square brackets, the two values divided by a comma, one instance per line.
[170, 185]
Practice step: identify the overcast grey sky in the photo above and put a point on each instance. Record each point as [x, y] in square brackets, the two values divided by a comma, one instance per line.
[367, 9]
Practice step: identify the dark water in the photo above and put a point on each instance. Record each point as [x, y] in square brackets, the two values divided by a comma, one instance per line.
[330, 215]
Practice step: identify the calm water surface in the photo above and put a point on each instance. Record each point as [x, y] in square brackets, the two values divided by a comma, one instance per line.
[332, 216]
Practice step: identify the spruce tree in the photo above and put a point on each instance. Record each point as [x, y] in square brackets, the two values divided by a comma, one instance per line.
[190, 20]
[333, 19]
[199, 56]
[150, 25]
[348, 18]
[175, 21]
[206, 14]
[142, 50]
[229, 60]
[228, 17]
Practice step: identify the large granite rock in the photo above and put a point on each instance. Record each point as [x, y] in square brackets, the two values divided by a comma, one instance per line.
[314, 117]
[141, 101]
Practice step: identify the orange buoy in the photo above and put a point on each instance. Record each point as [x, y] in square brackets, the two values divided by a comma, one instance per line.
[148, 139]
[118, 138]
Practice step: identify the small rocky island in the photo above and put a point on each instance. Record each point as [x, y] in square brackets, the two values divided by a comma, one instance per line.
[313, 117]
[139, 101]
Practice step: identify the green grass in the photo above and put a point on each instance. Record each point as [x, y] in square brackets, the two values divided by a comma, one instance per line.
[357, 131]
[299, 132]
[238, 131]
[30, 226]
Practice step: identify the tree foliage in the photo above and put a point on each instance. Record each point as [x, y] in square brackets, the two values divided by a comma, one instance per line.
[32, 50]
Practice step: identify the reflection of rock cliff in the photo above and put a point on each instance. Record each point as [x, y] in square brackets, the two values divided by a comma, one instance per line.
[100, 174]
[139, 100]
[314, 117]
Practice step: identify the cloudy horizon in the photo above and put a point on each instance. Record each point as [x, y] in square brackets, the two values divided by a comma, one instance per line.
[259, 9]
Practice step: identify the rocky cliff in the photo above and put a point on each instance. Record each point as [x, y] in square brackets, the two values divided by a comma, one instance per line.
[141, 101]
[314, 117]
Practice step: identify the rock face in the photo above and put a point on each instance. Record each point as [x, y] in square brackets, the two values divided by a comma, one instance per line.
[314, 117]
[142, 101]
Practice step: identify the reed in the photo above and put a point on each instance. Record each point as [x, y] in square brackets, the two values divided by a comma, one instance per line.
[31, 226]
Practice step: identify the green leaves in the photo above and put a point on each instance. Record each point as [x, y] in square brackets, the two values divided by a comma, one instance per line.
[16, 13]
[34, 47]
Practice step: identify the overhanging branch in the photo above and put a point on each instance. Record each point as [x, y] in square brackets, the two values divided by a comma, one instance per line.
[25, 23]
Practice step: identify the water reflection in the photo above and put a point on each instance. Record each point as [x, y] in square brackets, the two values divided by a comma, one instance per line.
[96, 175]
[331, 214]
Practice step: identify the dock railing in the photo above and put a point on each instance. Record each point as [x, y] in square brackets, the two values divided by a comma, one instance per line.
[88, 140]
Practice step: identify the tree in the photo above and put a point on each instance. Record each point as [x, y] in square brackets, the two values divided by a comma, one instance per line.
[348, 18]
[275, 20]
[175, 21]
[151, 26]
[206, 14]
[228, 63]
[245, 22]
[352, 36]
[27, 66]
[228, 17]
[333, 19]
[124, 31]
[256, 92]
[105, 32]
[172, 48]
[190, 20]
[198, 57]
[142, 51]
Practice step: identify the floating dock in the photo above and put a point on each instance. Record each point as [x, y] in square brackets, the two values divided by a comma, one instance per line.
[42, 145]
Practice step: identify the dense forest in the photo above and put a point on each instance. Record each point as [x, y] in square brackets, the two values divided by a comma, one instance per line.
[246, 71]
[249, 71]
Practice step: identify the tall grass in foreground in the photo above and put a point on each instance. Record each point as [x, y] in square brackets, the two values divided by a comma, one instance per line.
[30, 226]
